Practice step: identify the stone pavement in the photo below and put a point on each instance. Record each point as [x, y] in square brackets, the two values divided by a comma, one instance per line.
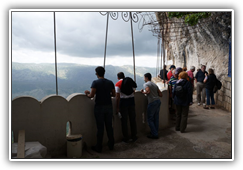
[208, 135]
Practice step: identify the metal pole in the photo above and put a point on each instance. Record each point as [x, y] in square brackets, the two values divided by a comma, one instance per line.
[158, 51]
[55, 46]
[133, 48]
[106, 37]
[163, 42]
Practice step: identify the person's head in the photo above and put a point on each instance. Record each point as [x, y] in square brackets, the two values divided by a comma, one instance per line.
[172, 67]
[100, 71]
[120, 75]
[147, 77]
[184, 69]
[210, 71]
[177, 71]
[183, 75]
[203, 68]
[173, 73]
[192, 68]
[165, 67]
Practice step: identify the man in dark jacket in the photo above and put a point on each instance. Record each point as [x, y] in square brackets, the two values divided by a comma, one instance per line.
[182, 93]
[163, 75]
[200, 75]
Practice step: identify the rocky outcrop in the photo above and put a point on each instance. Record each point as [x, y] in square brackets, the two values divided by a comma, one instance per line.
[205, 43]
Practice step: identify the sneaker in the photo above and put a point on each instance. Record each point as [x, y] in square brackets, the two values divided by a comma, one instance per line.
[199, 104]
[204, 104]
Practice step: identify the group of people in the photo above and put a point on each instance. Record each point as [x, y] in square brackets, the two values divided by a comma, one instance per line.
[103, 89]
[181, 85]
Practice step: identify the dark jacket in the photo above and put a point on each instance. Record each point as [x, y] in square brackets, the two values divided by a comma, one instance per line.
[211, 82]
[162, 75]
[200, 76]
[187, 88]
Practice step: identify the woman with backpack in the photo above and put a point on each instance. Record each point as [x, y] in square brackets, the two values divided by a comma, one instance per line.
[210, 81]
[182, 94]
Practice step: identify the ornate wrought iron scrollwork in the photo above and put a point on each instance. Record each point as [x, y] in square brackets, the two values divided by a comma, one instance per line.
[113, 15]
[125, 15]
[134, 16]
[103, 13]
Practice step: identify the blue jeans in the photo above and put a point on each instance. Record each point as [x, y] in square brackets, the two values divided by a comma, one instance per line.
[153, 116]
[209, 95]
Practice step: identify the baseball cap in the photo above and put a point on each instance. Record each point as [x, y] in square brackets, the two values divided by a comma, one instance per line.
[172, 66]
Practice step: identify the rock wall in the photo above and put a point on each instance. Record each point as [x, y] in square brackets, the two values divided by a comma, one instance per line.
[206, 43]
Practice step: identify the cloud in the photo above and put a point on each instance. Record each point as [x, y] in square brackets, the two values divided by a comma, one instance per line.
[79, 34]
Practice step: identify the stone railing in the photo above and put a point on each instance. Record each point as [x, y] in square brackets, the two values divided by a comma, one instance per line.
[45, 121]
[223, 96]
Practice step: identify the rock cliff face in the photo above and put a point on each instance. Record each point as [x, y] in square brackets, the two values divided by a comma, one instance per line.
[205, 43]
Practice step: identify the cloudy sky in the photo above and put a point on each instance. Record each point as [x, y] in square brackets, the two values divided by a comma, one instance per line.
[80, 39]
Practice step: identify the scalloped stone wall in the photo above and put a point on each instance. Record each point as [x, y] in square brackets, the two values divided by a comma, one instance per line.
[45, 120]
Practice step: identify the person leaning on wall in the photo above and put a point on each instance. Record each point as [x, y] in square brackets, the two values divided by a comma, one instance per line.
[153, 94]
[104, 89]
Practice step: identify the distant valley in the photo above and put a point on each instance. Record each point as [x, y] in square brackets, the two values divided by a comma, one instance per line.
[38, 80]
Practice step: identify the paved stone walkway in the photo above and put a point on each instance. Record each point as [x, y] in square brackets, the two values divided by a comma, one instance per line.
[208, 136]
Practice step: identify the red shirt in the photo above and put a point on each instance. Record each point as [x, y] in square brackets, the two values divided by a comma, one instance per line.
[190, 74]
[118, 90]
[169, 74]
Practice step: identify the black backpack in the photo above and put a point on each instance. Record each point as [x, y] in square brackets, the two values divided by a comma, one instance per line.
[127, 86]
[217, 86]
[180, 91]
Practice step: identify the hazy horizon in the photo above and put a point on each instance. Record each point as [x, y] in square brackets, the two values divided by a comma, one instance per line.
[82, 64]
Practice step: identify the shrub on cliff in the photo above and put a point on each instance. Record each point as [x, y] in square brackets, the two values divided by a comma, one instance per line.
[190, 18]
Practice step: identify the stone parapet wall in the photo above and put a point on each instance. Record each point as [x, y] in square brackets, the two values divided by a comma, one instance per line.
[223, 96]
[45, 121]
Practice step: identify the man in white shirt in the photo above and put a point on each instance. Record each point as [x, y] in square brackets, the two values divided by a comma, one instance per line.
[153, 94]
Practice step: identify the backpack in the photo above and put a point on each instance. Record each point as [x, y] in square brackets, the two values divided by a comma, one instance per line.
[217, 86]
[127, 86]
[180, 92]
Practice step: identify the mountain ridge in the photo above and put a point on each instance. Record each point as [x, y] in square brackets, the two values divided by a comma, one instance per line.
[38, 80]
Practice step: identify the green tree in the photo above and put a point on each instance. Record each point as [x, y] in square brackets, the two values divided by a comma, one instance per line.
[190, 18]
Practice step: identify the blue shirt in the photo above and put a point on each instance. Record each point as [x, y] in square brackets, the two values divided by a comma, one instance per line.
[104, 89]
[200, 76]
